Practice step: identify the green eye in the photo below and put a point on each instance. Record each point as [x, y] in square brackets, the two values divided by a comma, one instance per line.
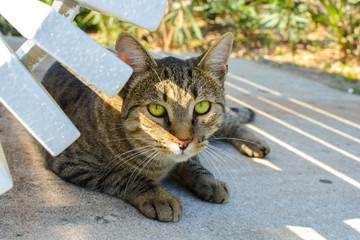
[156, 110]
[202, 107]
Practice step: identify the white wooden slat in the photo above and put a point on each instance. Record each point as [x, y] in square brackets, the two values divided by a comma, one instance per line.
[30, 54]
[29, 102]
[143, 13]
[6, 182]
[69, 45]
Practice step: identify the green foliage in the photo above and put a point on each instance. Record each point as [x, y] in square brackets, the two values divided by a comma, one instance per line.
[290, 18]
[6, 28]
[255, 23]
[241, 17]
[342, 18]
[179, 25]
[105, 29]
[49, 2]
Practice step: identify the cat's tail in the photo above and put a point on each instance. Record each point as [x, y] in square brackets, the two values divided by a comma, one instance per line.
[244, 115]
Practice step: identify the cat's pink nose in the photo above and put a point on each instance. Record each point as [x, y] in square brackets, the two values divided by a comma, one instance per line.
[183, 144]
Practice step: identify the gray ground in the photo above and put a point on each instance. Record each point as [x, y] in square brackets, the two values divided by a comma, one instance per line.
[307, 188]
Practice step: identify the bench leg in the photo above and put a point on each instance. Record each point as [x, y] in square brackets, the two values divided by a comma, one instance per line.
[6, 182]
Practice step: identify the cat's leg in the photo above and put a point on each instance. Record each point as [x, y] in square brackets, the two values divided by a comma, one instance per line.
[155, 202]
[147, 195]
[233, 131]
[202, 182]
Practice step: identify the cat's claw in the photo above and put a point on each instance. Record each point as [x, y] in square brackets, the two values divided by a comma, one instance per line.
[212, 190]
[163, 208]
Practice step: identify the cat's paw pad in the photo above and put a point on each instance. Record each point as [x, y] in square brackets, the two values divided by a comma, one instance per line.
[165, 208]
[255, 149]
[212, 190]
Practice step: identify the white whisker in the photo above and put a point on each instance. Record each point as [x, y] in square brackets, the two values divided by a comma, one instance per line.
[137, 169]
[122, 161]
[210, 162]
[214, 150]
[234, 160]
[150, 159]
[237, 139]
[148, 168]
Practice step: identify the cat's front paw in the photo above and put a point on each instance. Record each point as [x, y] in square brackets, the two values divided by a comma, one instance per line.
[212, 190]
[164, 207]
[256, 148]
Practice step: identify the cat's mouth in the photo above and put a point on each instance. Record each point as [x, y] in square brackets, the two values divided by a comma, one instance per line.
[180, 155]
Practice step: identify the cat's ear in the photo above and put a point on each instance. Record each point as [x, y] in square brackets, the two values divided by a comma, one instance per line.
[215, 59]
[130, 50]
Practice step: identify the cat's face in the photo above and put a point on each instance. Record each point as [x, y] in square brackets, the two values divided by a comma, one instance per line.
[173, 105]
[176, 112]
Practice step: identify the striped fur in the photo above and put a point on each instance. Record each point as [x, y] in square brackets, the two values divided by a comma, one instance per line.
[124, 150]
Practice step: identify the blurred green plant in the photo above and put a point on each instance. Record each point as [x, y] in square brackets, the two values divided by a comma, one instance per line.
[177, 29]
[239, 16]
[7, 29]
[102, 28]
[290, 18]
[179, 26]
[49, 2]
[189, 24]
[342, 18]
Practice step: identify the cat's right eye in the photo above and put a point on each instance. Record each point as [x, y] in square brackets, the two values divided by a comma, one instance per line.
[202, 107]
[156, 110]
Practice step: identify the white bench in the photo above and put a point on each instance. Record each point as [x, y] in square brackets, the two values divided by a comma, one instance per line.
[49, 31]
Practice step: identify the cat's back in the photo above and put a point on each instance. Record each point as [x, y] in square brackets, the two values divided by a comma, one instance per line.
[77, 101]
[68, 91]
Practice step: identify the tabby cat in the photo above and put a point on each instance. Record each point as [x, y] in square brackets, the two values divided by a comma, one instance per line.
[160, 121]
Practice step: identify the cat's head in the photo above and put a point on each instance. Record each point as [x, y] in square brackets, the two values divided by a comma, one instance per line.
[173, 105]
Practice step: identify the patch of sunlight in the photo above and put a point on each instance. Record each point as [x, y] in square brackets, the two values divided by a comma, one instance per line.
[307, 157]
[298, 130]
[325, 113]
[73, 232]
[267, 163]
[309, 119]
[237, 88]
[354, 223]
[254, 84]
[306, 233]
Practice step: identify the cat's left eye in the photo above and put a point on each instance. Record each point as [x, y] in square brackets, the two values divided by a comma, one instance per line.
[202, 107]
[156, 110]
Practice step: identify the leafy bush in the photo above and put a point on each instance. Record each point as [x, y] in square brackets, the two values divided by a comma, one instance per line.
[102, 28]
[179, 26]
[7, 29]
[290, 18]
[255, 23]
[241, 17]
[342, 19]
